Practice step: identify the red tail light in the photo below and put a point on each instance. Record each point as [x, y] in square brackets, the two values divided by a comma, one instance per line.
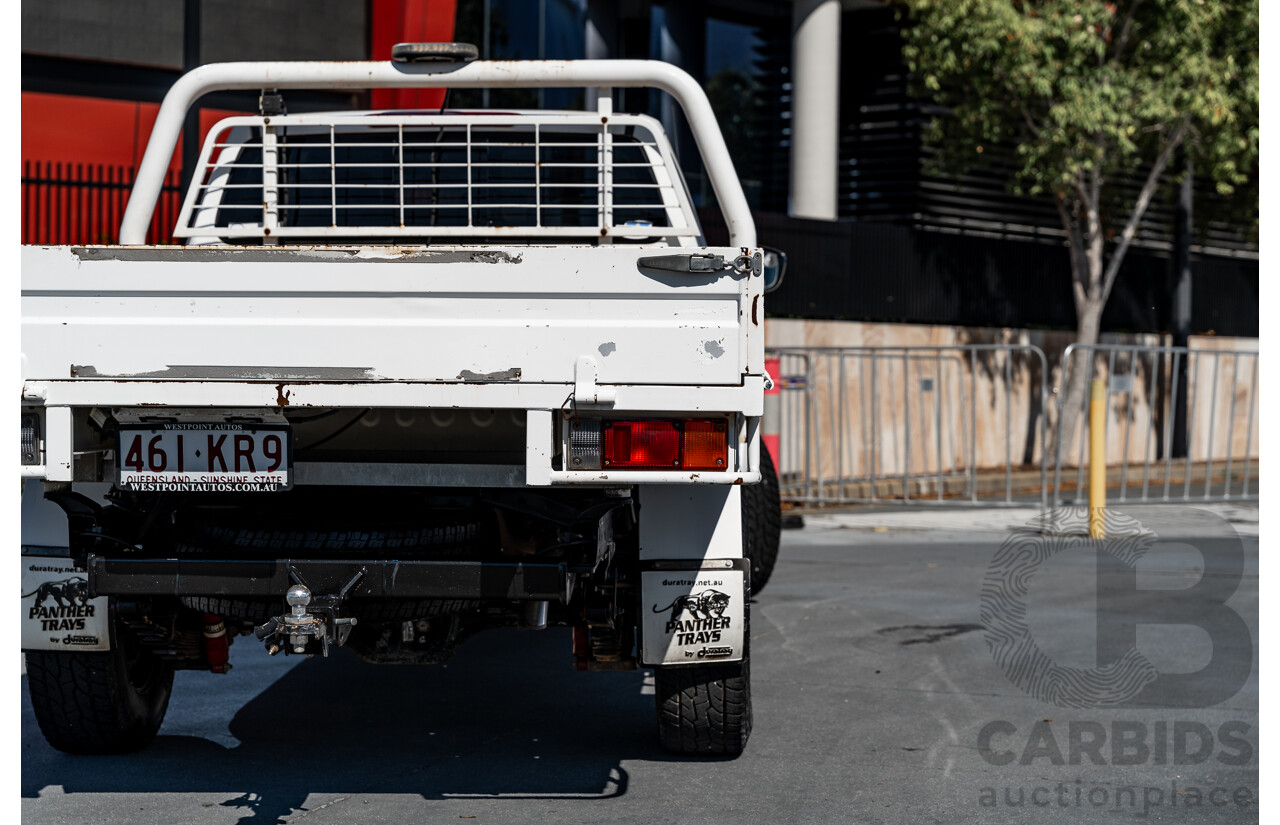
[641, 445]
[666, 445]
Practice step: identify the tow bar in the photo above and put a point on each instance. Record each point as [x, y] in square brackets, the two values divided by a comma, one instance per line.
[308, 626]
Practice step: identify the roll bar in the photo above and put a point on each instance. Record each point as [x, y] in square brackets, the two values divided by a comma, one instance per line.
[495, 74]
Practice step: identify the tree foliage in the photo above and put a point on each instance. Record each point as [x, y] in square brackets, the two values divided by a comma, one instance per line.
[1091, 96]
[1086, 86]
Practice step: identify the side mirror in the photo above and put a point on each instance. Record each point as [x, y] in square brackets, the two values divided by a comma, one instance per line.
[775, 266]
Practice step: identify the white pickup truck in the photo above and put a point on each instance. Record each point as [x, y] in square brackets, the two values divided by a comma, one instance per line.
[411, 375]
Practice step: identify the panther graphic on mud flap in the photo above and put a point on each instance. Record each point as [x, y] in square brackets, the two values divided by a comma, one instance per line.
[709, 604]
[65, 593]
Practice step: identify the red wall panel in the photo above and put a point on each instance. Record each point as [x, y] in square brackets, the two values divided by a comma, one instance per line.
[409, 21]
[76, 149]
[91, 130]
[76, 157]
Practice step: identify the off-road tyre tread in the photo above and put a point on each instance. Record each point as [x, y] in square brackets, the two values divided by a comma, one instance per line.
[210, 537]
[401, 610]
[704, 710]
[203, 539]
[366, 610]
[762, 523]
[85, 704]
[255, 610]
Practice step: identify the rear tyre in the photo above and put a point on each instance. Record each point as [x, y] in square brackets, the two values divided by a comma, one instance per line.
[257, 611]
[216, 538]
[704, 710]
[762, 523]
[203, 539]
[400, 610]
[101, 702]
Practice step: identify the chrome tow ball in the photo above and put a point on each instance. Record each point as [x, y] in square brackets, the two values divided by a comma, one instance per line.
[304, 626]
[301, 626]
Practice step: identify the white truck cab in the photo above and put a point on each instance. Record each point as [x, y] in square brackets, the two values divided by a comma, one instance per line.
[410, 375]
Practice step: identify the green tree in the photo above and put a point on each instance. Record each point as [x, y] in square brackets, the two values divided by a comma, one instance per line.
[1090, 94]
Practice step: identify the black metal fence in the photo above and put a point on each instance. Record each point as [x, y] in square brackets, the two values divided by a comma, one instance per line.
[874, 271]
[65, 203]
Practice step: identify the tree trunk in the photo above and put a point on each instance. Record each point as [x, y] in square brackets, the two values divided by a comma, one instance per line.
[1180, 311]
[1093, 276]
[1087, 330]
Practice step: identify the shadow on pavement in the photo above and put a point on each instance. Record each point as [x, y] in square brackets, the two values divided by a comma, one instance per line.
[343, 727]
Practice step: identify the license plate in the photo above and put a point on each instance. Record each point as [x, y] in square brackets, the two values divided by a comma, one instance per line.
[208, 458]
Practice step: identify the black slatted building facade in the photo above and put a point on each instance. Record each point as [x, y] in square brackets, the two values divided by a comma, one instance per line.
[914, 246]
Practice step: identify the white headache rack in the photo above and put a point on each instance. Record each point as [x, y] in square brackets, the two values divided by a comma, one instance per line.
[390, 175]
[600, 74]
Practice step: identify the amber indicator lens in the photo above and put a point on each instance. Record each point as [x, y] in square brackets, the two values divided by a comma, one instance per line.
[704, 445]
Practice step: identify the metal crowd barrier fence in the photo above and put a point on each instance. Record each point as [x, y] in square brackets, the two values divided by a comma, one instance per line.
[920, 424]
[1184, 418]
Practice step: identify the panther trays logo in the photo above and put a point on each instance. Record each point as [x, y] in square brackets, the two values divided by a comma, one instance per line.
[61, 605]
[697, 618]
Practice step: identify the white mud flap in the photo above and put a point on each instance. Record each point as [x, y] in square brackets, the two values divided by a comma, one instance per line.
[693, 611]
[57, 613]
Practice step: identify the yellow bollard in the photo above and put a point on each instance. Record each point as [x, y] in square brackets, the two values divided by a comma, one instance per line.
[1098, 459]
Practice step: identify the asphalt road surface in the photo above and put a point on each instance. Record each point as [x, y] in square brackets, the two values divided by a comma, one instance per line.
[878, 698]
